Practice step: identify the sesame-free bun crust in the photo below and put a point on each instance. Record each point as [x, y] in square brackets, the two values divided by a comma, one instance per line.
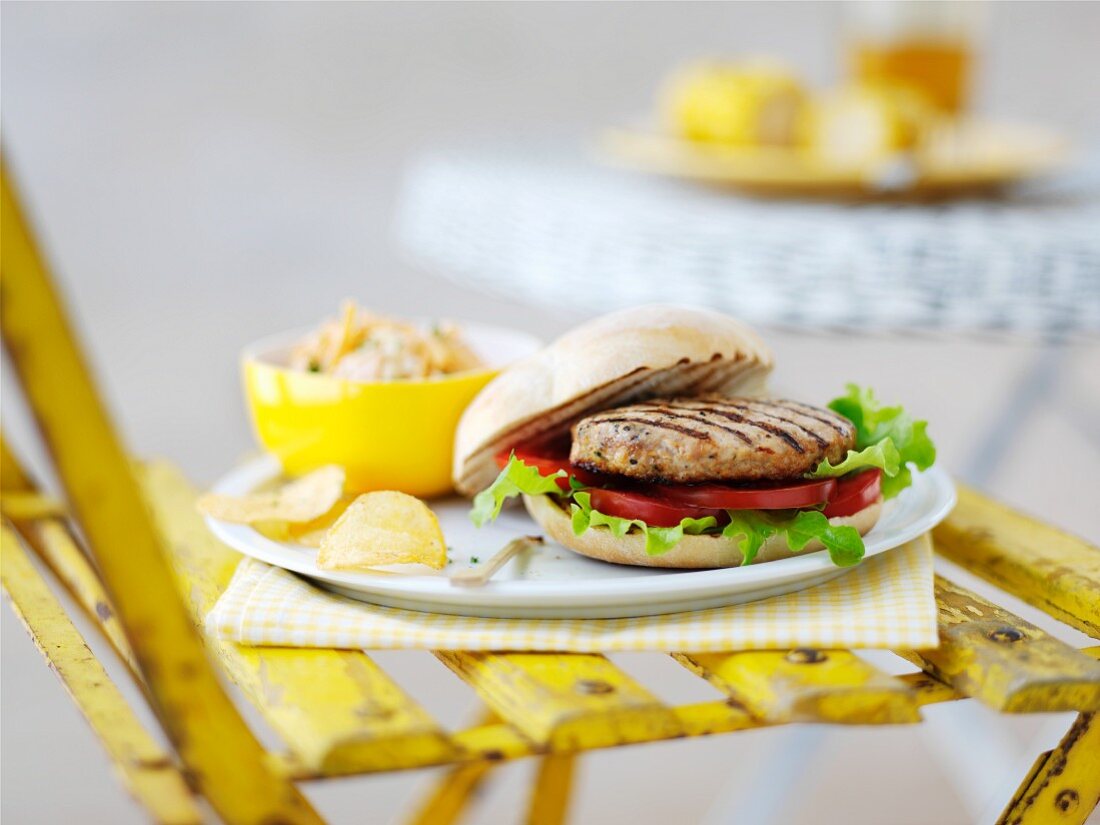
[627, 356]
[692, 552]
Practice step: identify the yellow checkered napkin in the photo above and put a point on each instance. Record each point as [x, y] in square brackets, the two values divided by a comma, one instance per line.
[886, 602]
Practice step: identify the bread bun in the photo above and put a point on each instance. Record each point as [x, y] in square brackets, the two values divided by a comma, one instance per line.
[621, 358]
[692, 552]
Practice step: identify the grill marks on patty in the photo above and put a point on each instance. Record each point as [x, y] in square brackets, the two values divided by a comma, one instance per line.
[662, 424]
[837, 424]
[760, 425]
[711, 439]
[749, 412]
[835, 421]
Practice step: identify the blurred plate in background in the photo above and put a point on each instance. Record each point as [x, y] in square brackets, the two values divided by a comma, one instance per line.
[969, 158]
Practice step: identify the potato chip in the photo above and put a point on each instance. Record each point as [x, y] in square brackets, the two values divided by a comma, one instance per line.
[310, 538]
[300, 501]
[310, 533]
[274, 530]
[384, 528]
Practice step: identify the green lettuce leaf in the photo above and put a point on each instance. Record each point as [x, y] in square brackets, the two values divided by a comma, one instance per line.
[754, 528]
[883, 455]
[658, 540]
[515, 479]
[886, 437]
[845, 544]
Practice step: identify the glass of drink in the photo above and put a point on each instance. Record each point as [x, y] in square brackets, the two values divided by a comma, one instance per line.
[925, 47]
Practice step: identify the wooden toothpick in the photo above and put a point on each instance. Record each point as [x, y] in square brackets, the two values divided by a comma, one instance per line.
[478, 576]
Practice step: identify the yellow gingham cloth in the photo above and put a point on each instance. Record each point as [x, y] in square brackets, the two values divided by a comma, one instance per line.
[886, 602]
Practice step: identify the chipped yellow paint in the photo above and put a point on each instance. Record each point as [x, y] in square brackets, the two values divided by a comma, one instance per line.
[1046, 567]
[709, 718]
[929, 690]
[565, 699]
[549, 802]
[1064, 784]
[222, 757]
[499, 741]
[147, 771]
[1008, 663]
[494, 742]
[806, 685]
[706, 718]
[336, 709]
[55, 544]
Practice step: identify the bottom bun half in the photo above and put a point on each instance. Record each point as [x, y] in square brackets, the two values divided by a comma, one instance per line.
[693, 552]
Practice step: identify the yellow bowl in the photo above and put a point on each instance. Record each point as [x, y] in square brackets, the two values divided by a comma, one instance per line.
[391, 435]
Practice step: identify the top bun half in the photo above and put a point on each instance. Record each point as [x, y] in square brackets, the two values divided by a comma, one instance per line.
[621, 358]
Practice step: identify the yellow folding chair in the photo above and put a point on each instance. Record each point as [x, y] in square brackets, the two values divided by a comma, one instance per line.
[127, 545]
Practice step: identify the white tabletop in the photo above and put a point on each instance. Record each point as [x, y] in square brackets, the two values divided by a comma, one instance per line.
[553, 229]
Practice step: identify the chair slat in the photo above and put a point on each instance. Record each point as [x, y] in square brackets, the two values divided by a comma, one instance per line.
[56, 545]
[500, 741]
[806, 685]
[494, 742]
[146, 769]
[1009, 664]
[929, 690]
[338, 711]
[705, 718]
[565, 700]
[54, 542]
[1046, 567]
[1064, 784]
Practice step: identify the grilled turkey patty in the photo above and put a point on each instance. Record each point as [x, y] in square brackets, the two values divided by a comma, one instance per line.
[692, 440]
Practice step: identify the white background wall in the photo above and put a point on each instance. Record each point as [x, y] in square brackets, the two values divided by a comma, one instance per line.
[204, 174]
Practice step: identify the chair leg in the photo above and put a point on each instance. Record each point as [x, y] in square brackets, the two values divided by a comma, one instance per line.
[226, 762]
[452, 794]
[549, 803]
[1064, 784]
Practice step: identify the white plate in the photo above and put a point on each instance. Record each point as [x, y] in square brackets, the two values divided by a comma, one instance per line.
[552, 582]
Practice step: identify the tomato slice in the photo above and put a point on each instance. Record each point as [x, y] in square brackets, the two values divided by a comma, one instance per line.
[855, 493]
[650, 509]
[549, 460]
[762, 496]
[666, 505]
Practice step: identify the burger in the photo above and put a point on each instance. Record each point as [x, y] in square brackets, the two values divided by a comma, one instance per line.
[648, 437]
